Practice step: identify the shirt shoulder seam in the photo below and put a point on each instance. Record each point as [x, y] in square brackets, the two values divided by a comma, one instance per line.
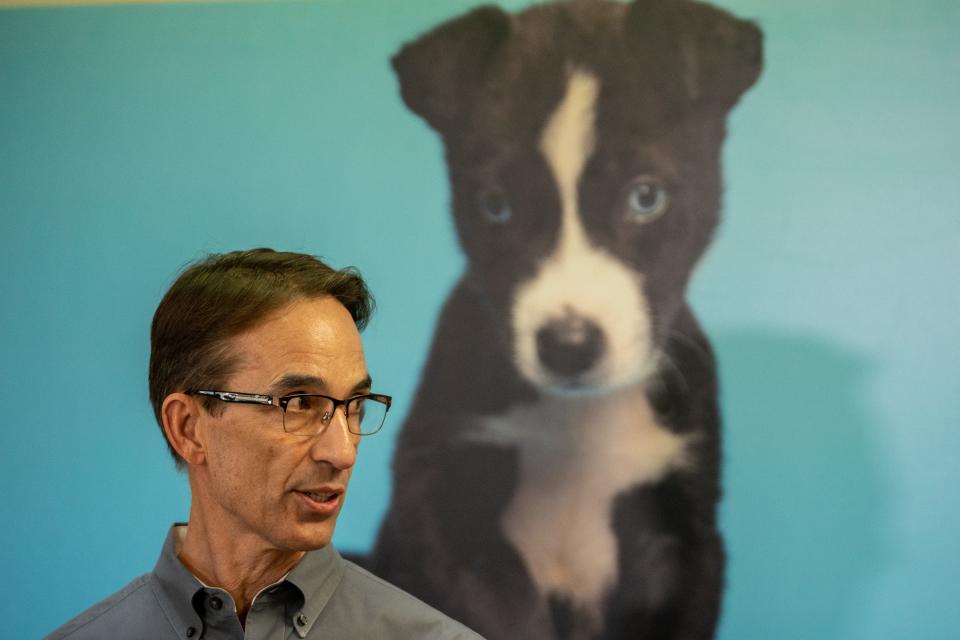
[360, 571]
[447, 621]
[123, 594]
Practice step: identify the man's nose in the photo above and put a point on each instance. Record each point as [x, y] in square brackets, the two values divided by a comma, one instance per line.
[335, 444]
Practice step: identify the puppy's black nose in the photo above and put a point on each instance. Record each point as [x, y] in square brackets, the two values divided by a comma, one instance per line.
[570, 346]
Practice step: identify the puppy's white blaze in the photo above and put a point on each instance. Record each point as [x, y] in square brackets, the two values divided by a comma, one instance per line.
[578, 277]
[576, 455]
[568, 138]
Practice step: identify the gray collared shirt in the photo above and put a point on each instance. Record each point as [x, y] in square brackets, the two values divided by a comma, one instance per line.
[323, 596]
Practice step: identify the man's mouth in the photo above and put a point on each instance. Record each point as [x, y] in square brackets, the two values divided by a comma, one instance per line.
[322, 501]
[317, 496]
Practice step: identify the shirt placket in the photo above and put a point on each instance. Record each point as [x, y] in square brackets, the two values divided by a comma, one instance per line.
[220, 616]
[266, 619]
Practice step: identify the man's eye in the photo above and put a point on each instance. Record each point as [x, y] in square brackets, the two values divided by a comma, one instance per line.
[359, 409]
[300, 403]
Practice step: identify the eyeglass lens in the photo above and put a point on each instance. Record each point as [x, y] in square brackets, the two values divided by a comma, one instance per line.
[307, 414]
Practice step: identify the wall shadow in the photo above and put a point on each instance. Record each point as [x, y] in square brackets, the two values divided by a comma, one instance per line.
[805, 507]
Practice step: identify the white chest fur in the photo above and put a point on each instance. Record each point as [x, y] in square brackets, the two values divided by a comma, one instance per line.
[576, 455]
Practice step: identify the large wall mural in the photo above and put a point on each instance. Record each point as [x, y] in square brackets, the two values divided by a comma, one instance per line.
[558, 474]
[565, 398]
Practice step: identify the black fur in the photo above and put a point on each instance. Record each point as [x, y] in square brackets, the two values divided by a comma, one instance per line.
[670, 71]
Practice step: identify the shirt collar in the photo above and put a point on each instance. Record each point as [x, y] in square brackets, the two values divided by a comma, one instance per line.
[175, 587]
[317, 576]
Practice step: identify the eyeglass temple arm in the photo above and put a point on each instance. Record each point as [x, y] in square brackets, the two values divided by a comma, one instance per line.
[231, 396]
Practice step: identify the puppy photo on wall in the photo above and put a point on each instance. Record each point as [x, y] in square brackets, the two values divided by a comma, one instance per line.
[559, 472]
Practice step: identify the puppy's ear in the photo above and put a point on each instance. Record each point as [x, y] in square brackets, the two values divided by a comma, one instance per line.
[720, 56]
[442, 69]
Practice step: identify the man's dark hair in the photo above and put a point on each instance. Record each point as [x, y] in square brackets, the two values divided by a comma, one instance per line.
[222, 295]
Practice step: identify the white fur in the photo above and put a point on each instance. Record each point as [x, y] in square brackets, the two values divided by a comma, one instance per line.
[576, 455]
[578, 277]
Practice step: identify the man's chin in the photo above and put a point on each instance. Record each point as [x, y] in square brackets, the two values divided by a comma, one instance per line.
[309, 536]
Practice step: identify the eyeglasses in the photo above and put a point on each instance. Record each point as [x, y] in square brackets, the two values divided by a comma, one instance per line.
[306, 414]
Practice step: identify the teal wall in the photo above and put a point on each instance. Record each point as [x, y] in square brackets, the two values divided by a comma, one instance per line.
[133, 139]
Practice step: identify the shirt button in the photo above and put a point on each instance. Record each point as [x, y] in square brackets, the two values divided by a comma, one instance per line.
[190, 632]
[301, 620]
[216, 603]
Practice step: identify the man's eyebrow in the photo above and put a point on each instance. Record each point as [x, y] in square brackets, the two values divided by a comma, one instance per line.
[363, 385]
[295, 380]
[303, 381]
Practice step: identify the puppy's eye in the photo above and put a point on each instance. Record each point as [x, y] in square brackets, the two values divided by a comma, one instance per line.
[645, 200]
[493, 204]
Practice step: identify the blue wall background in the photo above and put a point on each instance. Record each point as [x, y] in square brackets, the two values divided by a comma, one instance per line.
[134, 139]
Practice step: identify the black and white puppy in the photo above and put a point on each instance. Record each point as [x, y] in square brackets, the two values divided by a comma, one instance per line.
[558, 475]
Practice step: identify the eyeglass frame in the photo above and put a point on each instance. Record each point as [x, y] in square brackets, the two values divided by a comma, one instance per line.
[237, 397]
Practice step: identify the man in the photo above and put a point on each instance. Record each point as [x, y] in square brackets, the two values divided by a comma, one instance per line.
[258, 381]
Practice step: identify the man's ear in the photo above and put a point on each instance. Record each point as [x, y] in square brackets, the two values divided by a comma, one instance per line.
[717, 55]
[443, 69]
[181, 413]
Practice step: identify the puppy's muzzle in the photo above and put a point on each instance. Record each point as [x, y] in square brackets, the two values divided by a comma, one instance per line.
[570, 346]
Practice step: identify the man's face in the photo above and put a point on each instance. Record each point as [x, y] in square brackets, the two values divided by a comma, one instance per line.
[260, 485]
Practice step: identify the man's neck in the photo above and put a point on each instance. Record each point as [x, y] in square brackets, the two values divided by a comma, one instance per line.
[239, 565]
